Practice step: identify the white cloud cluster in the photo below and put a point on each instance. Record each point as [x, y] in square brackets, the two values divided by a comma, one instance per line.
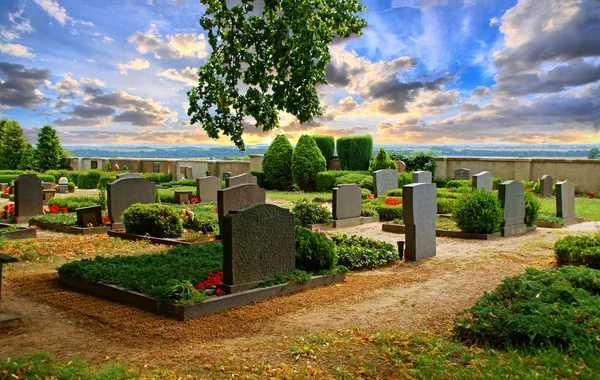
[177, 46]
[136, 64]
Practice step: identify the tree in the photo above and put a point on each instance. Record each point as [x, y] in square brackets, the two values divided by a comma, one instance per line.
[277, 164]
[28, 161]
[48, 151]
[381, 161]
[594, 153]
[277, 56]
[13, 145]
[307, 161]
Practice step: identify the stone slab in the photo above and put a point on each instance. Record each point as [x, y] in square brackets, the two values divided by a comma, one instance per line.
[347, 201]
[419, 209]
[128, 175]
[421, 177]
[87, 216]
[384, 181]
[206, 188]
[6, 316]
[513, 230]
[512, 199]
[125, 192]
[238, 197]
[401, 228]
[19, 233]
[483, 181]
[462, 173]
[401, 165]
[565, 200]
[546, 183]
[28, 197]
[241, 180]
[182, 196]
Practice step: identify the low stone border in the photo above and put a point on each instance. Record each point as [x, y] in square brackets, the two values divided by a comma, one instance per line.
[342, 223]
[154, 240]
[70, 229]
[183, 312]
[20, 233]
[400, 229]
[560, 224]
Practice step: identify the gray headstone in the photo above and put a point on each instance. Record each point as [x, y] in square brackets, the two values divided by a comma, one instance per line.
[258, 243]
[512, 199]
[419, 209]
[240, 180]
[483, 181]
[89, 216]
[421, 177]
[182, 196]
[63, 181]
[462, 173]
[565, 200]
[226, 175]
[546, 183]
[28, 197]
[125, 192]
[62, 189]
[207, 188]
[347, 201]
[128, 175]
[238, 197]
[47, 185]
[384, 181]
[334, 164]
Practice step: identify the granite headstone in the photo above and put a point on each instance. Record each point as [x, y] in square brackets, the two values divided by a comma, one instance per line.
[401, 166]
[462, 173]
[419, 202]
[226, 175]
[206, 188]
[565, 200]
[241, 180]
[182, 196]
[238, 197]
[546, 183]
[28, 197]
[483, 181]
[512, 199]
[128, 175]
[89, 216]
[347, 201]
[421, 177]
[384, 181]
[125, 192]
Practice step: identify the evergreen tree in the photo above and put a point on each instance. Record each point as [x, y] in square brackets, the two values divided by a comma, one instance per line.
[28, 159]
[48, 152]
[277, 164]
[13, 145]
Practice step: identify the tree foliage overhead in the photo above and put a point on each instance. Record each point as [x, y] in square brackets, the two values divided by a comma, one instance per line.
[266, 62]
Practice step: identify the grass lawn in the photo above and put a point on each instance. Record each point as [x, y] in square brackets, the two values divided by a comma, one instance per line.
[297, 195]
[588, 208]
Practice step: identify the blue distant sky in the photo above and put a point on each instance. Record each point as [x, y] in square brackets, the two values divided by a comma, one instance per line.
[424, 71]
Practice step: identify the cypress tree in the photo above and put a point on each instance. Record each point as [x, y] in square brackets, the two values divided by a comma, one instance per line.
[48, 152]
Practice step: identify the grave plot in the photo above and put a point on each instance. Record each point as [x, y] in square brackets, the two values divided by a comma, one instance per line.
[73, 215]
[565, 204]
[13, 232]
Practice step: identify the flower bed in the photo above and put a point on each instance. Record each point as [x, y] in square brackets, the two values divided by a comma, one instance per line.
[12, 232]
[60, 220]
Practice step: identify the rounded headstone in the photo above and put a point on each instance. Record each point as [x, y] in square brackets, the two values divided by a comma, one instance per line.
[401, 166]
[63, 181]
[115, 168]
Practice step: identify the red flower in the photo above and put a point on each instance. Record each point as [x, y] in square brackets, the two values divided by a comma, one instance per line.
[6, 191]
[393, 201]
[6, 207]
[105, 219]
[194, 200]
[370, 196]
[220, 293]
[212, 281]
[592, 195]
[217, 209]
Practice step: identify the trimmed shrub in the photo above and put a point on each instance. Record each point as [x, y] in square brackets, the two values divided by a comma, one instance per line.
[357, 252]
[90, 179]
[181, 182]
[381, 161]
[568, 250]
[106, 179]
[496, 181]
[355, 152]
[315, 251]
[404, 179]
[456, 183]
[326, 145]
[539, 308]
[532, 208]
[387, 213]
[157, 177]
[260, 178]
[353, 177]
[277, 164]
[306, 212]
[307, 161]
[395, 193]
[479, 212]
[591, 257]
[417, 161]
[328, 180]
[153, 219]
[367, 183]
[446, 205]
[73, 203]
[8, 178]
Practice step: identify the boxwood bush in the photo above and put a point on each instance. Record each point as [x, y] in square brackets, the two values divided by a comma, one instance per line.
[74, 202]
[388, 213]
[277, 164]
[532, 208]
[395, 193]
[539, 308]
[456, 183]
[568, 250]
[157, 177]
[327, 180]
[355, 152]
[326, 145]
[478, 212]
[362, 180]
[446, 205]
[306, 212]
[307, 161]
[153, 219]
[382, 161]
[315, 251]
[357, 252]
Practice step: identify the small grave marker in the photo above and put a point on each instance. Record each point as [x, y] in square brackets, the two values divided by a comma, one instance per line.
[28, 197]
[125, 192]
[347, 201]
[207, 188]
[183, 196]
[384, 181]
[87, 216]
[462, 173]
[240, 180]
[546, 183]
[512, 198]
[421, 177]
[483, 181]
[238, 197]
[420, 212]
[565, 200]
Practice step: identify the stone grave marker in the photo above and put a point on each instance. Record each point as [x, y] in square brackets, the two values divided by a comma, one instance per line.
[384, 181]
[226, 175]
[546, 183]
[401, 166]
[124, 192]
[512, 198]
[4, 315]
[334, 164]
[128, 175]
[47, 194]
[186, 171]
[347, 201]
[565, 200]
[421, 177]
[63, 185]
[28, 197]
[47, 185]
[462, 173]
[115, 168]
[207, 188]
[419, 202]
[87, 216]
[238, 197]
[483, 181]
[258, 243]
[183, 196]
[240, 180]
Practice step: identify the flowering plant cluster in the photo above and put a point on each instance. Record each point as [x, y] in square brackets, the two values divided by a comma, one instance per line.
[327, 206]
[7, 190]
[54, 209]
[194, 200]
[211, 282]
[318, 230]
[370, 196]
[393, 201]
[187, 215]
[9, 211]
[592, 195]
[105, 219]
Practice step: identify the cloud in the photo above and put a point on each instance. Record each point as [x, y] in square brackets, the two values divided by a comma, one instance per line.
[68, 84]
[18, 26]
[137, 111]
[181, 45]
[54, 10]
[21, 86]
[16, 50]
[91, 112]
[443, 99]
[187, 75]
[78, 122]
[136, 64]
[481, 91]
[107, 40]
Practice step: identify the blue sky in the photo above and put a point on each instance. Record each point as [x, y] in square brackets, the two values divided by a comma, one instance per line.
[424, 71]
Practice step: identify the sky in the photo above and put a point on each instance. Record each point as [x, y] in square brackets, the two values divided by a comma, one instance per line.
[424, 71]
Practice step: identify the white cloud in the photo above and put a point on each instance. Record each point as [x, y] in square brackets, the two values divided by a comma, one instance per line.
[55, 11]
[16, 50]
[176, 46]
[187, 75]
[136, 64]
[18, 26]
[107, 40]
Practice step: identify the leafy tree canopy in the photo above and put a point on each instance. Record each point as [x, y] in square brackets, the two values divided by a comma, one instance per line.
[265, 61]
[594, 153]
[48, 153]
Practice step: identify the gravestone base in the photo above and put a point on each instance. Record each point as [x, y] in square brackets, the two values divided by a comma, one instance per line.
[574, 220]
[515, 230]
[62, 189]
[420, 242]
[6, 317]
[343, 223]
[231, 289]
[22, 219]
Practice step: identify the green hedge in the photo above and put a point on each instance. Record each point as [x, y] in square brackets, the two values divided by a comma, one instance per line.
[157, 178]
[153, 219]
[388, 213]
[261, 181]
[355, 152]
[329, 179]
[72, 176]
[478, 212]
[446, 205]
[8, 178]
[11, 172]
[168, 195]
[183, 182]
[416, 161]
[395, 193]
[74, 202]
[568, 250]
[307, 162]
[362, 180]
[326, 145]
[456, 183]
[382, 161]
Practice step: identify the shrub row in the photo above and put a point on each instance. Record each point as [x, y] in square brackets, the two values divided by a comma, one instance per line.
[8, 178]
[326, 145]
[355, 152]
[575, 250]
[74, 202]
[327, 180]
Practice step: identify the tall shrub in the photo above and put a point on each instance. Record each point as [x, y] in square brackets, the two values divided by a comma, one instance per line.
[381, 161]
[532, 208]
[12, 146]
[326, 145]
[277, 164]
[355, 152]
[479, 212]
[307, 161]
[48, 152]
[28, 161]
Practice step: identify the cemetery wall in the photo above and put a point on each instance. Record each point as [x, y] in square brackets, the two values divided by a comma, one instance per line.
[583, 172]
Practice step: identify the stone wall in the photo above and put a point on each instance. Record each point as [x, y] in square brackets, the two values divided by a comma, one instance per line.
[582, 171]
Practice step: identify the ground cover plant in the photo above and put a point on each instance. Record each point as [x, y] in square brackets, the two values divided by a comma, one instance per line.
[299, 195]
[388, 208]
[357, 252]
[61, 219]
[73, 202]
[151, 274]
[556, 307]
[570, 250]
